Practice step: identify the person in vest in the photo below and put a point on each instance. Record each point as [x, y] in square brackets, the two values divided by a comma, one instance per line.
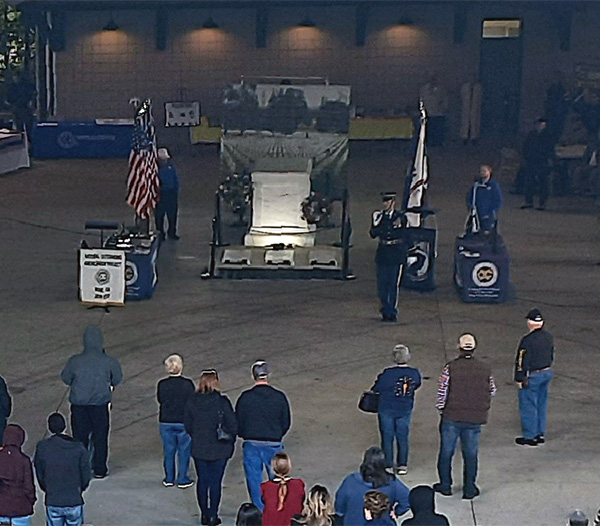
[465, 389]
[533, 374]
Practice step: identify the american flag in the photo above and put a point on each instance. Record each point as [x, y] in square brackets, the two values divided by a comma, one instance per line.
[142, 181]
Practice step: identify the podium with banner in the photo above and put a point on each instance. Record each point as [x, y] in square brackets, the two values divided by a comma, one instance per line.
[101, 276]
[481, 268]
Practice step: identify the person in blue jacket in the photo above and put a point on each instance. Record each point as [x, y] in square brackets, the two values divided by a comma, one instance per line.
[169, 195]
[484, 200]
[396, 387]
[372, 474]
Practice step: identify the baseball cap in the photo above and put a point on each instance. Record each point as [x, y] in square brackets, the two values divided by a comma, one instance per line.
[260, 370]
[388, 196]
[535, 315]
[467, 342]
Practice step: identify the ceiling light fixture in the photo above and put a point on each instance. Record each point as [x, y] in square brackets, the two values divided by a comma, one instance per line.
[111, 25]
[209, 23]
[306, 22]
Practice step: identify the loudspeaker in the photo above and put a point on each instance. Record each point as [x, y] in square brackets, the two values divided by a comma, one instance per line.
[460, 24]
[57, 34]
[162, 29]
[362, 19]
[262, 22]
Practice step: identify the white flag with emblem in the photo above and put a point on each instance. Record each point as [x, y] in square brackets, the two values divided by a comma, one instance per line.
[419, 177]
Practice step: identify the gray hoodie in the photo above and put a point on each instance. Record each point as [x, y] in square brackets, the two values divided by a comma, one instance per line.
[92, 373]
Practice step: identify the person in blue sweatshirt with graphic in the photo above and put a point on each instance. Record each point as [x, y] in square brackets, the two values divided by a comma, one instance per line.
[396, 387]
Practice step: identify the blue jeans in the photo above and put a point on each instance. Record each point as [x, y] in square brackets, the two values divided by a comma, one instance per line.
[64, 516]
[388, 282]
[257, 455]
[397, 427]
[18, 521]
[450, 432]
[208, 488]
[533, 404]
[176, 441]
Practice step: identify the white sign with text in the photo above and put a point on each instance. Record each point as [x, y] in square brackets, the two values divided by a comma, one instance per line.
[102, 276]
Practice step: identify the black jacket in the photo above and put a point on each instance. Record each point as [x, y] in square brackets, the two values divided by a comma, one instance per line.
[5, 401]
[172, 394]
[263, 413]
[201, 417]
[536, 351]
[62, 466]
[422, 505]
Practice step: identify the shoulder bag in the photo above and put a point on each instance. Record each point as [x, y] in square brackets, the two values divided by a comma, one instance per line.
[369, 402]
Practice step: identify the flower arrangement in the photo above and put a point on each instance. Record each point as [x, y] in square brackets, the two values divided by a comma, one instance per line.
[235, 190]
[317, 209]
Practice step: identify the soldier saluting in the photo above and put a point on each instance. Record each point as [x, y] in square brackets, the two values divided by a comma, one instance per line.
[389, 225]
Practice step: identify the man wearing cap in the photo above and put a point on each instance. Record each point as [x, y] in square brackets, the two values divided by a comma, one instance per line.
[533, 374]
[389, 226]
[264, 417]
[538, 151]
[62, 466]
[465, 389]
[169, 194]
[396, 387]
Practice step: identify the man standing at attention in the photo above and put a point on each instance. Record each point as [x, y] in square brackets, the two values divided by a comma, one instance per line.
[533, 374]
[92, 375]
[62, 466]
[168, 203]
[264, 417]
[465, 390]
[389, 226]
[484, 200]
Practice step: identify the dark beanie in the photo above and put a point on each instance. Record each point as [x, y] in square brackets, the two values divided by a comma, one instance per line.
[56, 423]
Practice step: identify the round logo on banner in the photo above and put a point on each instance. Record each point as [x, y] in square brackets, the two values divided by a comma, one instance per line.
[102, 277]
[485, 274]
[131, 273]
[67, 140]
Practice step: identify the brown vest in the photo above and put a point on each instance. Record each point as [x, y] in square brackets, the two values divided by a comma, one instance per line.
[468, 391]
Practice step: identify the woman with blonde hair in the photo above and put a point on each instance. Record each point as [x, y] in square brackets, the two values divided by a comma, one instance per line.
[282, 496]
[210, 420]
[318, 509]
[172, 394]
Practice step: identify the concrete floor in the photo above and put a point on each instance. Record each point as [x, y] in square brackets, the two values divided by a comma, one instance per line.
[323, 339]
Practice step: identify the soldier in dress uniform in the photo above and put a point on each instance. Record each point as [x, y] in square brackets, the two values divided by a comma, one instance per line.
[389, 225]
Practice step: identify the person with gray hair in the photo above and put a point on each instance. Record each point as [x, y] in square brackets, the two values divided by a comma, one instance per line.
[172, 394]
[396, 387]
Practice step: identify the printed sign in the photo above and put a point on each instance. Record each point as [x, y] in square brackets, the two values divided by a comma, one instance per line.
[182, 114]
[102, 276]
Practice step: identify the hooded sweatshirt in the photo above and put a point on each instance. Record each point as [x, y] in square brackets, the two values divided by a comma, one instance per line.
[17, 491]
[62, 466]
[92, 373]
[422, 504]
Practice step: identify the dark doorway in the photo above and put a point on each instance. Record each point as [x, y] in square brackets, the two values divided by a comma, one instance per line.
[500, 75]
